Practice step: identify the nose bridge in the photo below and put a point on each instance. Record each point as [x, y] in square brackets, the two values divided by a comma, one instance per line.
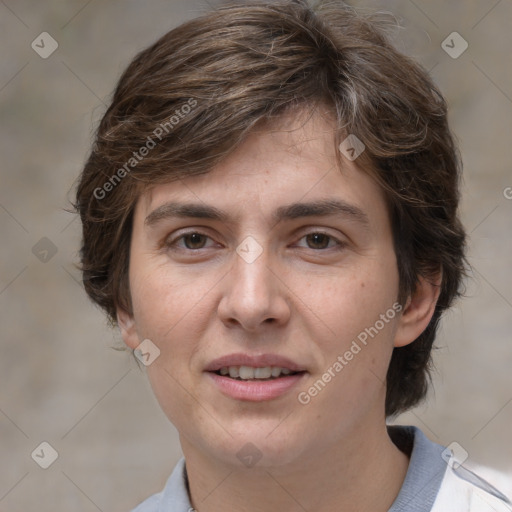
[252, 296]
[250, 283]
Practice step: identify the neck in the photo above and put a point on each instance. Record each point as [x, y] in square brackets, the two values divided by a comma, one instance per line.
[364, 472]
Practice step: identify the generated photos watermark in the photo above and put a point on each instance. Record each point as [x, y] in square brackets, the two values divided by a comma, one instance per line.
[158, 133]
[305, 397]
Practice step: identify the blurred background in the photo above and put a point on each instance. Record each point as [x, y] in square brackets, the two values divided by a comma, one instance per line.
[62, 383]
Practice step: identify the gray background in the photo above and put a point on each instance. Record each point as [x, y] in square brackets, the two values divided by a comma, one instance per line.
[60, 380]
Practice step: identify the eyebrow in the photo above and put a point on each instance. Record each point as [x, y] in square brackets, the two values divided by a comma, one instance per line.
[321, 208]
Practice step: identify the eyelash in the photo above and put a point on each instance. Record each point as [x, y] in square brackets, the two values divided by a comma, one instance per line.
[171, 244]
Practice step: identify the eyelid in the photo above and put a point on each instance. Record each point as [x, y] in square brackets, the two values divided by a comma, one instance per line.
[170, 240]
[339, 243]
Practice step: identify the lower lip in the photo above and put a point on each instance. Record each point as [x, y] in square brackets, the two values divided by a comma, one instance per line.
[256, 390]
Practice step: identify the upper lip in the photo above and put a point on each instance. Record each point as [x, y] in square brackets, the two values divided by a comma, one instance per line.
[255, 361]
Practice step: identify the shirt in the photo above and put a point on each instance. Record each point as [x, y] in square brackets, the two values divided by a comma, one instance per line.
[435, 482]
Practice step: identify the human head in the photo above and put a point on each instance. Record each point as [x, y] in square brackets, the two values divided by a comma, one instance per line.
[193, 97]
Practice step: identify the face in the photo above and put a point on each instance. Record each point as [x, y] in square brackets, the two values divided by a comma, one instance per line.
[274, 259]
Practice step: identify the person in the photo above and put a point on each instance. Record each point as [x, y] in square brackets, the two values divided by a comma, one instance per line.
[270, 217]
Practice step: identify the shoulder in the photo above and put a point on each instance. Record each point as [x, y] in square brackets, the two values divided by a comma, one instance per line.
[174, 496]
[439, 479]
[474, 489]
[151, 504]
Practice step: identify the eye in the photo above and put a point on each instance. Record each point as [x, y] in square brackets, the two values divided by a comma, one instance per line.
[192, 240]
[319, 240]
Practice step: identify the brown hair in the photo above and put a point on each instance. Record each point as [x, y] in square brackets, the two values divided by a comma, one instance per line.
[193, 96]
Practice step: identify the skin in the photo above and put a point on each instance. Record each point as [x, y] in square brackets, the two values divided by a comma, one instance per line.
[304, 297]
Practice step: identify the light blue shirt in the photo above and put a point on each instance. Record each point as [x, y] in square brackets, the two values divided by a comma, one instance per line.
[418, 492]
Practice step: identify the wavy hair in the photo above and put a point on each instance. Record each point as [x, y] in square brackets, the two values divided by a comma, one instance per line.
[251, 62]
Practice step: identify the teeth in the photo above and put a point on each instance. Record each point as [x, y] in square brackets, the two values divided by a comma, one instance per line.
[262, 373]
[245, 372]
[249, 373]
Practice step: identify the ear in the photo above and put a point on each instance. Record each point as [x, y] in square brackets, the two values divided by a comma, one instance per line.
[128, 329]
[418, 310]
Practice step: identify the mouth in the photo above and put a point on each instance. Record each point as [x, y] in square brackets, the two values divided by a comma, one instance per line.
[255, 378]
[261, 374]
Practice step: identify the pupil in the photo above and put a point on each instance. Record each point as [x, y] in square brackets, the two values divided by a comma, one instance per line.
[193, 240]
[318, 238]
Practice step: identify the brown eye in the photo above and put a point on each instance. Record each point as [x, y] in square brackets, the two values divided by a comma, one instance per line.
[318, 240]
[194, 240]
[191, 241]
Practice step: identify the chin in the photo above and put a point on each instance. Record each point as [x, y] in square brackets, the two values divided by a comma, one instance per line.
[256, 444]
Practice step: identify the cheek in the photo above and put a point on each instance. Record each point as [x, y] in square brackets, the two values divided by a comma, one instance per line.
[355, 337]
[173, 311]
[167, 388]
[166, 299]
[361, 313]
[344, 303]
[172, 308]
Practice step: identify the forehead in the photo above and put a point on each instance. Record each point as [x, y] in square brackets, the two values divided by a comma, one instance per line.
[291, 160]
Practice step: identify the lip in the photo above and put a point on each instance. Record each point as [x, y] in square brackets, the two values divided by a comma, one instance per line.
[256, 390]
[255, 361]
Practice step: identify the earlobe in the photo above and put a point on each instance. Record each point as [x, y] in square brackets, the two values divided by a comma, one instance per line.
[418, 310]
[128, 329]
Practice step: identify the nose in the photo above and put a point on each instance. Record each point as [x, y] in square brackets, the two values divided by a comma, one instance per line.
[254, 296]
